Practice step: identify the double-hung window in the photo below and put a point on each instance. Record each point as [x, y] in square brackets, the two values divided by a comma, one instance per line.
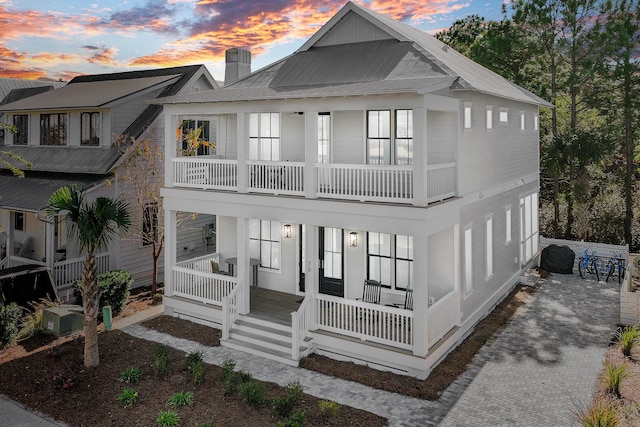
[390, 260]
[404, 137]
[203, 145]
[90, 129]
[21, 125]
[53, 129]
[324, 137]
[150, 224]
[264, 241]
[264, 136]
[382, 149]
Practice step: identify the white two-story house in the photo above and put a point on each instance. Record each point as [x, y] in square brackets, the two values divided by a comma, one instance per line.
[69, 135]
[373, 154]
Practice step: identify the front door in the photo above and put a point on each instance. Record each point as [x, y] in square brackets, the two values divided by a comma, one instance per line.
[331, 262]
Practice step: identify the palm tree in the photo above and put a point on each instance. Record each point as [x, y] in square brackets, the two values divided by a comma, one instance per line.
[95, 225]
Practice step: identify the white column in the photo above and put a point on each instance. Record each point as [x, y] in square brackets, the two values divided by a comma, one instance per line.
[49, 244]
[311, 282]
[243, 270]
[170, 147]
[242, 152]
[170, 230]
[420, 157]
[420, 295]
[10, 237]
[310, 153]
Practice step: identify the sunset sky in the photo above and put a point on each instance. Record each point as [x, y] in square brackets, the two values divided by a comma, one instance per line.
[59, 39]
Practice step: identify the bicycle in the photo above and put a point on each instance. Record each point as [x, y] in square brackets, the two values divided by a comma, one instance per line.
[588, 264]
[616, 265]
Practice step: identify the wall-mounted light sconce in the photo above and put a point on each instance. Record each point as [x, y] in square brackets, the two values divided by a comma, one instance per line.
[353, 239]
[287, 231]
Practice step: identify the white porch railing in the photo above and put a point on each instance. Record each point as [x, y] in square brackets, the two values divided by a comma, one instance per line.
[205, 173]
[66, 273]
[365, 182]
[371, 322]
[442, 316]
[201, 263]
[230, 312]
[441, 181]
[276, 177]
[208, 288]
[301, 323]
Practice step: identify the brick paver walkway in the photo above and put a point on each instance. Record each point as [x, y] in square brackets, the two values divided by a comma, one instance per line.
[532, 374]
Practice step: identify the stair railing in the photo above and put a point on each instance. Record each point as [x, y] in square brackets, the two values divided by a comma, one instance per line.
[230, 312]
[300, 324]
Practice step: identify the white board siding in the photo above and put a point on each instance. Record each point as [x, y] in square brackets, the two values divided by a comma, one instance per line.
[191, 239]
[440, 138]
[227, 136]
[292, 137]
[352, 29]
[348, 137]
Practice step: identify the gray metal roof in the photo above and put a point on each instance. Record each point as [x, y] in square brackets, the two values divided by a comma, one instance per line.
[31, 193]
[92, 94]
[68, 159]
[7, 85]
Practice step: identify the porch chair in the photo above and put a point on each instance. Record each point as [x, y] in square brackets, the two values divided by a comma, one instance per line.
[408, 299]
[215, 268]
[371, 292]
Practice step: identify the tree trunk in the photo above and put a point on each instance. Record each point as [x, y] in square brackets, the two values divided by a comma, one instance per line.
[91, 304]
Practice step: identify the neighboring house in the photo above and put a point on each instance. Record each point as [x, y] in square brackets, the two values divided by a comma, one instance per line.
[69, 136]
[373, 153]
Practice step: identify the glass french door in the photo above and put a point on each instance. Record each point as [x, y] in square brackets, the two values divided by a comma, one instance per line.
[331, 261]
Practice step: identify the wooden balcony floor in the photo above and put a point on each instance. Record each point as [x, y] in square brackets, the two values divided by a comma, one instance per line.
[273, 306]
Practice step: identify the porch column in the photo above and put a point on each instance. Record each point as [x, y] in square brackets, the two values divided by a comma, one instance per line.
[420, 184]
[10, 238]
[242, 153]
[170, 230]
[171, 124]
[311, 283]
[243, 270]
[310, 153]
[420, 295]
[49, 245]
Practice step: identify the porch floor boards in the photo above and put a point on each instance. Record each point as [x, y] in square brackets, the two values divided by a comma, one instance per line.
[273, 306]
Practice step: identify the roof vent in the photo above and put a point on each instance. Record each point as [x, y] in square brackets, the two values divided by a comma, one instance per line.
[237, 65]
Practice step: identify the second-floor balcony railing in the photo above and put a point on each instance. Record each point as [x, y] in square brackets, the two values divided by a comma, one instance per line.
[385, 183]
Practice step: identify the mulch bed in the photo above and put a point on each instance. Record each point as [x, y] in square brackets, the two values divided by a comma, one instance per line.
[204, 335]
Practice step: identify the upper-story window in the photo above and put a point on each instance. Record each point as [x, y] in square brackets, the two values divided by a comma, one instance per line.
[489, 117]
[467, 115]
[21, 124]
[203, 145]
[90, 129]
[53, 129]
[381, 149]
[504, 115]
[324, 137]
[264, 136]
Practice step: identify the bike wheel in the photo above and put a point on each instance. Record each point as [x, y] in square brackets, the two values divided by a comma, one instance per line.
[582, 267]
[610, 269]
[594, 268]
[621, 271]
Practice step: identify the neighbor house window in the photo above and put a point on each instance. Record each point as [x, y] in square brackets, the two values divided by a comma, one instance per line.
[203, 147]
[18, 221]
[467, 115]
[53, 129]
[535, 122]
[150, 224]
[504, 115]
[522, 120]
[528, 227]
[404, 137]
[90, 129]
[379, 137]
[390, 260]
[264, 136]
[21, 124]
[489, 248]
[489, 117]
[468, 260]
[324, 137]
[264, 242]
[507, 224]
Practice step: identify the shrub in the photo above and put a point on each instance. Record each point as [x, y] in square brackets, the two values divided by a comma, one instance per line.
[9, 318]
[328, 408]
[627, 337]
[31, 323]
[253, 392]
[193, 358]
[114, 290]
[284, 405]
[128, 396]
[182, 398]
[232, 379]
[131, 375]
[161, 354]
[601, 413]
[636, 267]
[228, 369]
[168, 419]
[614, 376]
[297, 420]
[197, 372]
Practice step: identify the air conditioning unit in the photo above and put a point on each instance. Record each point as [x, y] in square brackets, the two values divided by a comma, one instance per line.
[63, 320]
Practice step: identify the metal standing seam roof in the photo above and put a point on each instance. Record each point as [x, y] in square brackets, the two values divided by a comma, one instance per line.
[31, 193]
[9, 85]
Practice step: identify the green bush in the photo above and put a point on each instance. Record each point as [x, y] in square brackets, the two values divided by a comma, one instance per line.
[182, 398]
[253, 392]
[161, 360]
[627, 338]
[614, 376]
[128, 396]
[601, 413]
[168, 419]
[284, 405]
[197, 372]
[131, 375]
[636, 267]
[231, 379]
[297, 420]
[114, 290]
[328, 408]
[31, 322]
[9, 324]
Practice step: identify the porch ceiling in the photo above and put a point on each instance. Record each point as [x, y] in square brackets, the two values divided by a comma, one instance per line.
[31, 193]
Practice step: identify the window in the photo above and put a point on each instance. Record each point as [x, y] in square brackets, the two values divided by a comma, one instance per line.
[90, 129]
[324, 137]
[504, 115]
[332, 253]
[507, 214]
[18, 221]
[264, 242]
[150, 224]
[390, 260]
[535, 122]
[522, 120]
[379, 137]
[467, 115]
[204, 145]
[528, 227]
[489, 117]
[468, 261]
[404, 137]
[489, 248]
[21, 123]
[53, 129]
[264, 136]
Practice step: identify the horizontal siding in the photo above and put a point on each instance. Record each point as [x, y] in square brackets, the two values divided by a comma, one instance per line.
[292, 137]
[227, 136]
[440, 139]
[348, 137]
